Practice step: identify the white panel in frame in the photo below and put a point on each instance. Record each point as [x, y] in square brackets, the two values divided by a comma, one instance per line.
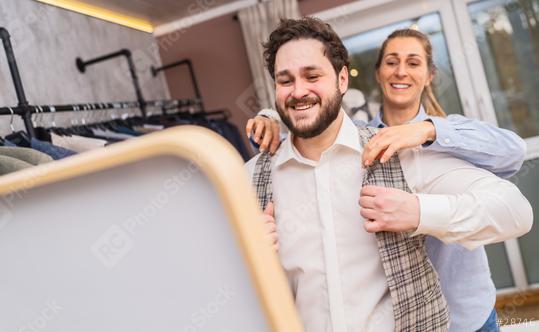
[155, 234]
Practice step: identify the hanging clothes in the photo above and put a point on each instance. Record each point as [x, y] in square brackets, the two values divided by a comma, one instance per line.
[21, 151]
[77, 143]
[10, 165]
[13, 158]
[28, 155]
[56, 152]
[128, 131]
[110, 134]
[232, 134]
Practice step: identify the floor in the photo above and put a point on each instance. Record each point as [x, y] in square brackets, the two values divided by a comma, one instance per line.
[519, 312]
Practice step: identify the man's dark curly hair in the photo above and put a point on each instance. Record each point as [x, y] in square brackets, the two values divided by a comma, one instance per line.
[306, 28]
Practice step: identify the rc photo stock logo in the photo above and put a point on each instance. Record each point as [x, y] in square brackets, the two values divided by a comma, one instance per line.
[248, 101]
[118, 240]
[112, 246]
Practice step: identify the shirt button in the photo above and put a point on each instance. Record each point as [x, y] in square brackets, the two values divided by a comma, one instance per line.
[447, 140]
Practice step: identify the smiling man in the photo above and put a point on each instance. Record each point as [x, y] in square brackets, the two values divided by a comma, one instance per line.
[344, 275]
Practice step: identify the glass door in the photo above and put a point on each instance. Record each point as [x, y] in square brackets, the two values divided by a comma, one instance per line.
[363, 48]
[503, 40]
[364, 31]
[487, 54]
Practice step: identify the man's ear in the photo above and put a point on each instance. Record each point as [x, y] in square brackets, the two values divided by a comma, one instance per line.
[343, 80]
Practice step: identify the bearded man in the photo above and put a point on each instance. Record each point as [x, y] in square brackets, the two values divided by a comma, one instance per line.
[344, 278]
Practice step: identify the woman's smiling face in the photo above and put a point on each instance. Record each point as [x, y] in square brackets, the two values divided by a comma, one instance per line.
[403, 72]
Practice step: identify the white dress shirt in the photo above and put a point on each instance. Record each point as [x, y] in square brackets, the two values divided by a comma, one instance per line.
[332, 263]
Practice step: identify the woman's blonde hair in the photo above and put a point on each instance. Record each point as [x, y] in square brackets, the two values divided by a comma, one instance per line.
[428, 100]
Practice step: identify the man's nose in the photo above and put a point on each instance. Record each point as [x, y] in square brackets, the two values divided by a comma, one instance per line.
[300, 90]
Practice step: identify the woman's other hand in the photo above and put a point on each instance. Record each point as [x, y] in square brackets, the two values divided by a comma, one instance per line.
[390, 140]
[265, 132]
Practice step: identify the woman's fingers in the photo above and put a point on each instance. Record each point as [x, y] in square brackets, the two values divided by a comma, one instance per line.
[266, 140]
[249, 127]
[259, 131]
[276, 141]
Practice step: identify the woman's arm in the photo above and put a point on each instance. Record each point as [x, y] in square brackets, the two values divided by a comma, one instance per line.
[497, 150]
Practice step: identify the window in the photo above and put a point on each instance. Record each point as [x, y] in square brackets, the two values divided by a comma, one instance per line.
[507, 34]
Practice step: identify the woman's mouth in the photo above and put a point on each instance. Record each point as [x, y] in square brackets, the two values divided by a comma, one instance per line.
[400, 86]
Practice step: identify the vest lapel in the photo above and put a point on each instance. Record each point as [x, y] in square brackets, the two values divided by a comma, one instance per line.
[262, 180]
[418, 302]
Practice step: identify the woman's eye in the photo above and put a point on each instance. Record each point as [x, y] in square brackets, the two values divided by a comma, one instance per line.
[391, 63]
[284, 82]
[414, 64]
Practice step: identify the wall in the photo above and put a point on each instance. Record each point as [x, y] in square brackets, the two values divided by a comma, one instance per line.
[219, 59]
[218, 53]
[309, 7]
[46, 41]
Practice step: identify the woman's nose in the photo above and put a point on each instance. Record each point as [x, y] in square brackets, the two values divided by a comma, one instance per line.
[401, 70]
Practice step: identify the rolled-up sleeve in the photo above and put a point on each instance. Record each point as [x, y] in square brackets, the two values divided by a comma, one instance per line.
[480, 209]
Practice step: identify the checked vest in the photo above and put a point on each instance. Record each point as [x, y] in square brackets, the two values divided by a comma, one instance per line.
[416, 295]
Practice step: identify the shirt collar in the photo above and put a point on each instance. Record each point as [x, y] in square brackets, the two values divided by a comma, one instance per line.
[378, 123]
[348, 137]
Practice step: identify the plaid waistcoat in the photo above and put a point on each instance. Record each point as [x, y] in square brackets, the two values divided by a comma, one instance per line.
[416, 295]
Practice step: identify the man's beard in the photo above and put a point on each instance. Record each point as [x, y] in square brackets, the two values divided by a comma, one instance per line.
[324, 119]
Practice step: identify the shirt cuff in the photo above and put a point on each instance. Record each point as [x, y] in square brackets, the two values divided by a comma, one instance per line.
[270, 113]
[434, 212]
[445, 136]
[428, 143]
[274, 115]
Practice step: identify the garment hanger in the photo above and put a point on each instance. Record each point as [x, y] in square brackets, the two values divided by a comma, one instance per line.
[77, 128]
[120, 122]
[73, 122]
[84, 128]
[53, 128]
[40, 131]
[106, 125]
[19, 138]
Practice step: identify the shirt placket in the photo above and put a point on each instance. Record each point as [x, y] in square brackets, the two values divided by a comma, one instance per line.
[333, 279]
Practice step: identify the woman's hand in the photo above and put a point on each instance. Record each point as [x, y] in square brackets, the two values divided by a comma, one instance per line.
[390, 140]
[265, 132]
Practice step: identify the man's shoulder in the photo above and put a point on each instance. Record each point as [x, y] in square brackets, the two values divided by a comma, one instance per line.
[437, 162]
[252, 162]
[250, 165]
[360, 123]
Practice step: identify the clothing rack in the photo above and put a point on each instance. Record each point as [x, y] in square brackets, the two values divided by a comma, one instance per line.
[34, 109]
[17, 82]
[189, 64]
[81, 65]
[25, 110]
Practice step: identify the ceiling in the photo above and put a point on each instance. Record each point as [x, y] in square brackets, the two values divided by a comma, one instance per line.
[158, 12]
[142, 14]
